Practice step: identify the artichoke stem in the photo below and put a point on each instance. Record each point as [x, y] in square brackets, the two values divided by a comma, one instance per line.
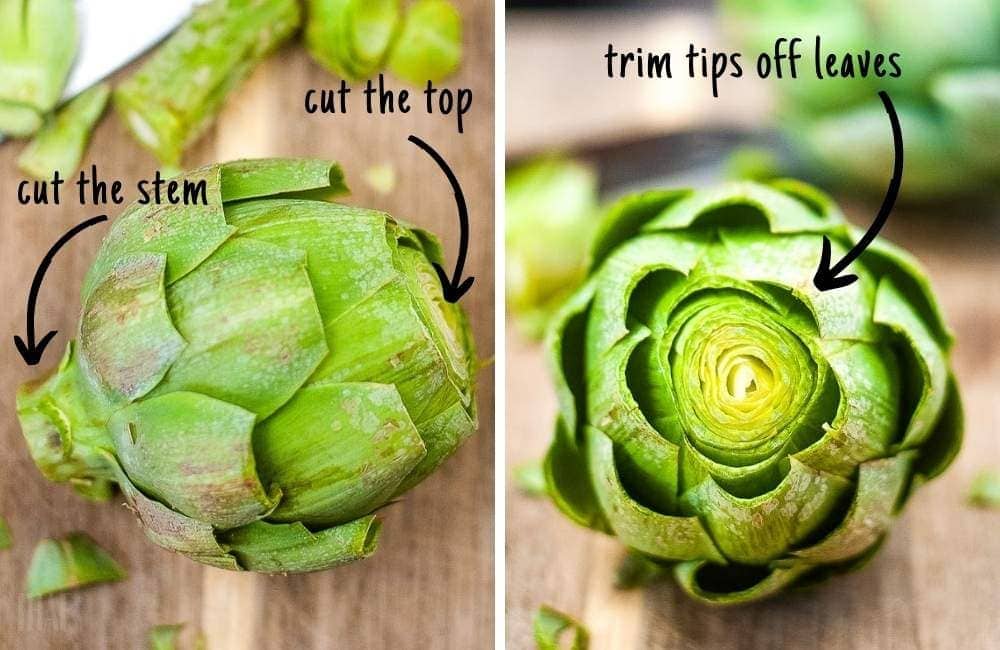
[59, 417]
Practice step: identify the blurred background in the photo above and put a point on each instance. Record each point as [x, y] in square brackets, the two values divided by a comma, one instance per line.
[577, 140]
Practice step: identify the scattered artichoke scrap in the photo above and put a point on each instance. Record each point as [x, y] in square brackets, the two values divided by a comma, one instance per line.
[72, 562]
[555, 630]
[261, 375]
[167, 637]
[6, 540]
[985, 489]
[724, 418]
[947, 98]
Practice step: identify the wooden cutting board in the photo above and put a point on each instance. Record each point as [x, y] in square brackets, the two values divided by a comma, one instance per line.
[431, 582]
[935, 584]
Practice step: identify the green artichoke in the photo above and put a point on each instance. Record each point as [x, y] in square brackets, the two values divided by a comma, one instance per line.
[552, 214]
[720, 415]
[947, 98]
[37, 44]
[260, 374]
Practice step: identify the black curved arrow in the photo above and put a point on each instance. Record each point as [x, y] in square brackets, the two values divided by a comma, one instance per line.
[32, 351]
[827, 277]
[454, 288]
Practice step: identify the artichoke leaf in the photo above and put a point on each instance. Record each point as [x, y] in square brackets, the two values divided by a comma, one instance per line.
[760, 529]
[667, 537]
[651, 459]
[351, 37]
[348, 256]
[185, 234]
[442, 435]
[429, 44]
[627, 217]
[247, 311]
[783, 213]
[168, 528]
[6, 540]
[194, 453]
[886, 259]
[790, 262]
[880, 485]
[945, 440]
[895, 312]
[281, 177]
[383, 339]
[984, 492]
[568, 482]
[712, 585]
[293, 548]
[624, 270]
[554, 630]
[551, 216]
[337, 451]
[565, 341]
[59, 146]
[127, 337]
[867, 417]
[34, 65]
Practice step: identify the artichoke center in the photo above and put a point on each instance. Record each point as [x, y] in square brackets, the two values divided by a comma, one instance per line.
[740, 377]
[746, 379]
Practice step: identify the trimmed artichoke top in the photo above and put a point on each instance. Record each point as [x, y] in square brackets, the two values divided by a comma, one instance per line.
[260, 374]
[721, 415]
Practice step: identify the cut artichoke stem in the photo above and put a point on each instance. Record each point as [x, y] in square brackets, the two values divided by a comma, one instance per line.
[260, 375]
[174, 97]
[721, 415]
[61, 421]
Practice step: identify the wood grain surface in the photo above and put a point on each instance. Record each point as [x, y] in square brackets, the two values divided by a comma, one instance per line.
[430, 585]
[934, 585]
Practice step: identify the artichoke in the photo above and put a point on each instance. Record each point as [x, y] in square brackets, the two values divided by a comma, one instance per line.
[38, 41]
[721, 416]
[947, 97]
[552, 213]
[259, 374]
